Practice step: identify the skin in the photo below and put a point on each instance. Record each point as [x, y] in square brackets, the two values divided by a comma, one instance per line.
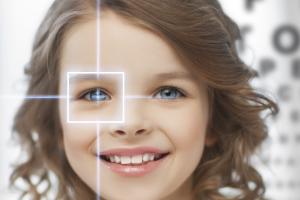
[176, 125]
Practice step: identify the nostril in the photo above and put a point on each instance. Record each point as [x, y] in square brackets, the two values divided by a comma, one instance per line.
[140, 131]
[120, 132]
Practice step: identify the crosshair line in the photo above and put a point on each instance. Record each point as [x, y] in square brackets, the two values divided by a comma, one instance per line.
[54, 97]
[33, 97]
[98, 36]
[98, 181]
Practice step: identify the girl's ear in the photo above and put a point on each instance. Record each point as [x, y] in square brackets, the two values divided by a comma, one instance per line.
[210, 139]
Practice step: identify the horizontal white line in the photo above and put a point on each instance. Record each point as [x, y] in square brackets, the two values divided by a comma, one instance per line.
[37, 97]
[32, 97]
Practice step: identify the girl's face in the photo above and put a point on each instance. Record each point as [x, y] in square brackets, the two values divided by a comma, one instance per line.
[172, 118]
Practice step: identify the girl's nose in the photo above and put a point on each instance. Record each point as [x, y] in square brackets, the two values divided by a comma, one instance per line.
[136, 122]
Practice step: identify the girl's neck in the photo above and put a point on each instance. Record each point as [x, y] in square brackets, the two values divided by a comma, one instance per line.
[182, 193]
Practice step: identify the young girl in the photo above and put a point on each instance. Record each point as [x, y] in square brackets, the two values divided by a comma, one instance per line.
[191, 136]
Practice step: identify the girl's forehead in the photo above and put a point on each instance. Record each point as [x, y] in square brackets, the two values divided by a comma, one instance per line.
[122, 46]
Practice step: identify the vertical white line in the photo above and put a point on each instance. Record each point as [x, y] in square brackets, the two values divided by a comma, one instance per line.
[98, 163]
[98, 71]
[98, 35]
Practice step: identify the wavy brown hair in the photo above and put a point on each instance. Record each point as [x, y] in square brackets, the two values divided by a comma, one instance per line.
[204, 37]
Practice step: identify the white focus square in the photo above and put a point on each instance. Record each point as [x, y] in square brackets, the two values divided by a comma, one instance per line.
[84, 108]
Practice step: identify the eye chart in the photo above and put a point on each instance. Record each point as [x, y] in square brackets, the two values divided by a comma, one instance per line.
[271, 44]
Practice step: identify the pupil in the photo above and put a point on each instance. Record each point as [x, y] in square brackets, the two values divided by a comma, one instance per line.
[169, 93]
[97, 95]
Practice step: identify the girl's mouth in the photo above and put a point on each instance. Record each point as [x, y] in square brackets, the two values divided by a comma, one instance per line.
[133, 162]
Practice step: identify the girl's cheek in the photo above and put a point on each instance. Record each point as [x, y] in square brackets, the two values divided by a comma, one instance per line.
[76, 136]
[183, 125]
[79, 133]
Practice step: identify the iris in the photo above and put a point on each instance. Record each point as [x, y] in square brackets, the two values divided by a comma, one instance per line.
[169, 93]
[96, 95]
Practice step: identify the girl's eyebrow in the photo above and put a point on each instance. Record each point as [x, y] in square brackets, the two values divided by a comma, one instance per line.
[92, 77]
[173, 75]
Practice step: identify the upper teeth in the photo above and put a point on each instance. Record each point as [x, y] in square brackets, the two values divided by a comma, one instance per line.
[137, 159]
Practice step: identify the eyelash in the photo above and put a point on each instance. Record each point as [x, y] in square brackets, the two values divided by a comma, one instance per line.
[178, 91]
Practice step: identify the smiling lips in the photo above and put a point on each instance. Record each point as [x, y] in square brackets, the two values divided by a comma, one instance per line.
[132, 156]
[133, 162]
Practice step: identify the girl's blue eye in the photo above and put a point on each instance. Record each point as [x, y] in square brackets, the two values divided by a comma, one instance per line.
[96, 95]
[169, 93]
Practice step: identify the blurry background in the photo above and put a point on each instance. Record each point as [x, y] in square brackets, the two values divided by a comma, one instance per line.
[271, 32]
